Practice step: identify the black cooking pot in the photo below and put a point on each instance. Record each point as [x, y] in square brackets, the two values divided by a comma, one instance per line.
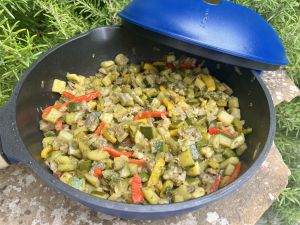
[19, 123]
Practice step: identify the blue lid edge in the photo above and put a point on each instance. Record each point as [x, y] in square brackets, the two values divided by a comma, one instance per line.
[180, 38]
[130, 17]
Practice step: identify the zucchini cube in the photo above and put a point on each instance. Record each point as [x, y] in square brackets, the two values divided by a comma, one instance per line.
[58, 86]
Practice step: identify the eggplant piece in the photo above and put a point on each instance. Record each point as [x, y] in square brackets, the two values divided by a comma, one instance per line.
[46, 126]
[91, 122]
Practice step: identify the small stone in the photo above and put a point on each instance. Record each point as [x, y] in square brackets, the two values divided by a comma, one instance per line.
[265, 164]
[212, 217]
[27, 212]
[271, 197]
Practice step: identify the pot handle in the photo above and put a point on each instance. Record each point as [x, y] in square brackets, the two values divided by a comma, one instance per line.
[3, 161]
[11, 146]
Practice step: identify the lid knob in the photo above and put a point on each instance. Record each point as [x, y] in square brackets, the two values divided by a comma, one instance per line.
[213, 2]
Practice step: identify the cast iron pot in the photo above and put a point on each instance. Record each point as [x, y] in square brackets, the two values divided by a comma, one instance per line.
[19, 124]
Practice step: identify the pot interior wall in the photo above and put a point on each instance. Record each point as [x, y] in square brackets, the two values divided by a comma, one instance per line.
[83, 56]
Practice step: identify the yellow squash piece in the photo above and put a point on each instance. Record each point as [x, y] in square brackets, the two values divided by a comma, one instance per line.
[186, 158]
[144, 121]
[66, 177]
[156, 172]
[182, 104]
[92, 180]
[76, 78]
[159, 63]
[106, 81]
[69, 118]
[194, 170]
[167, 103]
[53, 115]
[159, 186]
[213, 164]
[48, 141]
[199, 191]
[58, 86]
[106, 64]
[167, 91]
[150, 67]
[92, 105]
[45, 151]
[199, 83]
[222, 103]
[109, 137]
[181, 194]
[97, 155]
[209, 82]
[167, 186]
[163, 89]
[84, 149]
[66, 167]
[150, 195]
[225, 117]
[174, 132]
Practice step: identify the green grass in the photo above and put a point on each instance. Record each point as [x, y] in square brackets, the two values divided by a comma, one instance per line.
[287, 209]
[29, 27]
[284, 15]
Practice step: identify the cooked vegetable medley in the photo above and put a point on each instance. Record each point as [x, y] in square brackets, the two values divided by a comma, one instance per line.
[150, 133]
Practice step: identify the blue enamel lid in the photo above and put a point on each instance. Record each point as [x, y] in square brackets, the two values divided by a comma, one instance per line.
[215, 29]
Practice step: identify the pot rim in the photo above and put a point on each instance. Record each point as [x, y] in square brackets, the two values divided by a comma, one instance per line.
[26, 158]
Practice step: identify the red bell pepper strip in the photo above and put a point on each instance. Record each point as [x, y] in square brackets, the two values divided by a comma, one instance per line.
[138, 162]
[136, 189]
[59, 125]
[215, 130]
[187, 66]
[88, 97]
[216, 184]
[150, 114]
[68, 95]
[97, 172]
[127, 154]
[114, 153]
[48, 109]
[100, 128]
[234, 175]
[170, 65]
[46, 112]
